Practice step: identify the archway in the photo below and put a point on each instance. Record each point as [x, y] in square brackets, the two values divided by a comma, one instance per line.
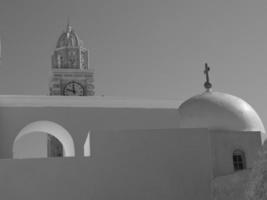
[51, 129]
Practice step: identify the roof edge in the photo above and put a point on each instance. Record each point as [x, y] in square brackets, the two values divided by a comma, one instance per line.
[84, 101]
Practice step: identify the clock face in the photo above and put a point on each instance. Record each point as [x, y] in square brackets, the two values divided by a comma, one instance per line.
[73, 89]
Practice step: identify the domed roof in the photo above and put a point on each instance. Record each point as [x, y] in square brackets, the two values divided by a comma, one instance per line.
[68, 38]
[220, 111]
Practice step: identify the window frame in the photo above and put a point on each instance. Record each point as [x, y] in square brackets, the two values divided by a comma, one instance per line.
[239, 160]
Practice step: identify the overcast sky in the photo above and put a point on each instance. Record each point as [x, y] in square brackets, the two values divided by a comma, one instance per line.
[142, 48]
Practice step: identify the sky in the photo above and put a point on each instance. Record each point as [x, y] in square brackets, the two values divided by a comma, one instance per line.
[141, 48]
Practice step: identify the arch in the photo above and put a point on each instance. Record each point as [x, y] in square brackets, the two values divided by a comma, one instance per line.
[53, 129]
[239, 160]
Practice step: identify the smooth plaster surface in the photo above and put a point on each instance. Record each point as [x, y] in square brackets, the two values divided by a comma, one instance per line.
[219, 111]
[224, 143]
[135, 153]
[79, 121]
[33, 145]
[145, 164]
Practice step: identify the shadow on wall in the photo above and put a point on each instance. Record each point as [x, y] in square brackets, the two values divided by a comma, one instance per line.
[42, 139]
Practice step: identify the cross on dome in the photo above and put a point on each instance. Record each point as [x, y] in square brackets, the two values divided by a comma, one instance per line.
[207, 84]
[68, 27]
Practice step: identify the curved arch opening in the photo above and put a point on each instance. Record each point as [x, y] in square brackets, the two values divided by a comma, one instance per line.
[42, 133]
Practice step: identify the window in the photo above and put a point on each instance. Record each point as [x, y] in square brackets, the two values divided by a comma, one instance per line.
[239, 160]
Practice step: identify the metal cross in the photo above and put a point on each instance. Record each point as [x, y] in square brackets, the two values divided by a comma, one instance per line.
[207, 84]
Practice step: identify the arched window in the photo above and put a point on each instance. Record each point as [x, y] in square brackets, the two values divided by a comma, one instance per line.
[239, 160]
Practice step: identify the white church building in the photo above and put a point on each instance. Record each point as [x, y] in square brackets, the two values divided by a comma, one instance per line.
[74, 145]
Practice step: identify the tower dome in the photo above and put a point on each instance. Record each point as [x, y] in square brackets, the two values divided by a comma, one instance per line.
[68, 38]
[219, 111]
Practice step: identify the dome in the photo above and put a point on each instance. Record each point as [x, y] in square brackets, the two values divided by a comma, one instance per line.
[68, 38]
[219, 111]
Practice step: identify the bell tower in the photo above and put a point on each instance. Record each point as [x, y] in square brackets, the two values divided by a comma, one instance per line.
[71, 75]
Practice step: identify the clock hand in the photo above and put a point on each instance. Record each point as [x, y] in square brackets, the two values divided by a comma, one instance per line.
[73, 88]
[69, 90]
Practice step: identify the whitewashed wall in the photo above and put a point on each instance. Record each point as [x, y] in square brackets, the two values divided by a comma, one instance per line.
[78, 121]
[147, 164]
